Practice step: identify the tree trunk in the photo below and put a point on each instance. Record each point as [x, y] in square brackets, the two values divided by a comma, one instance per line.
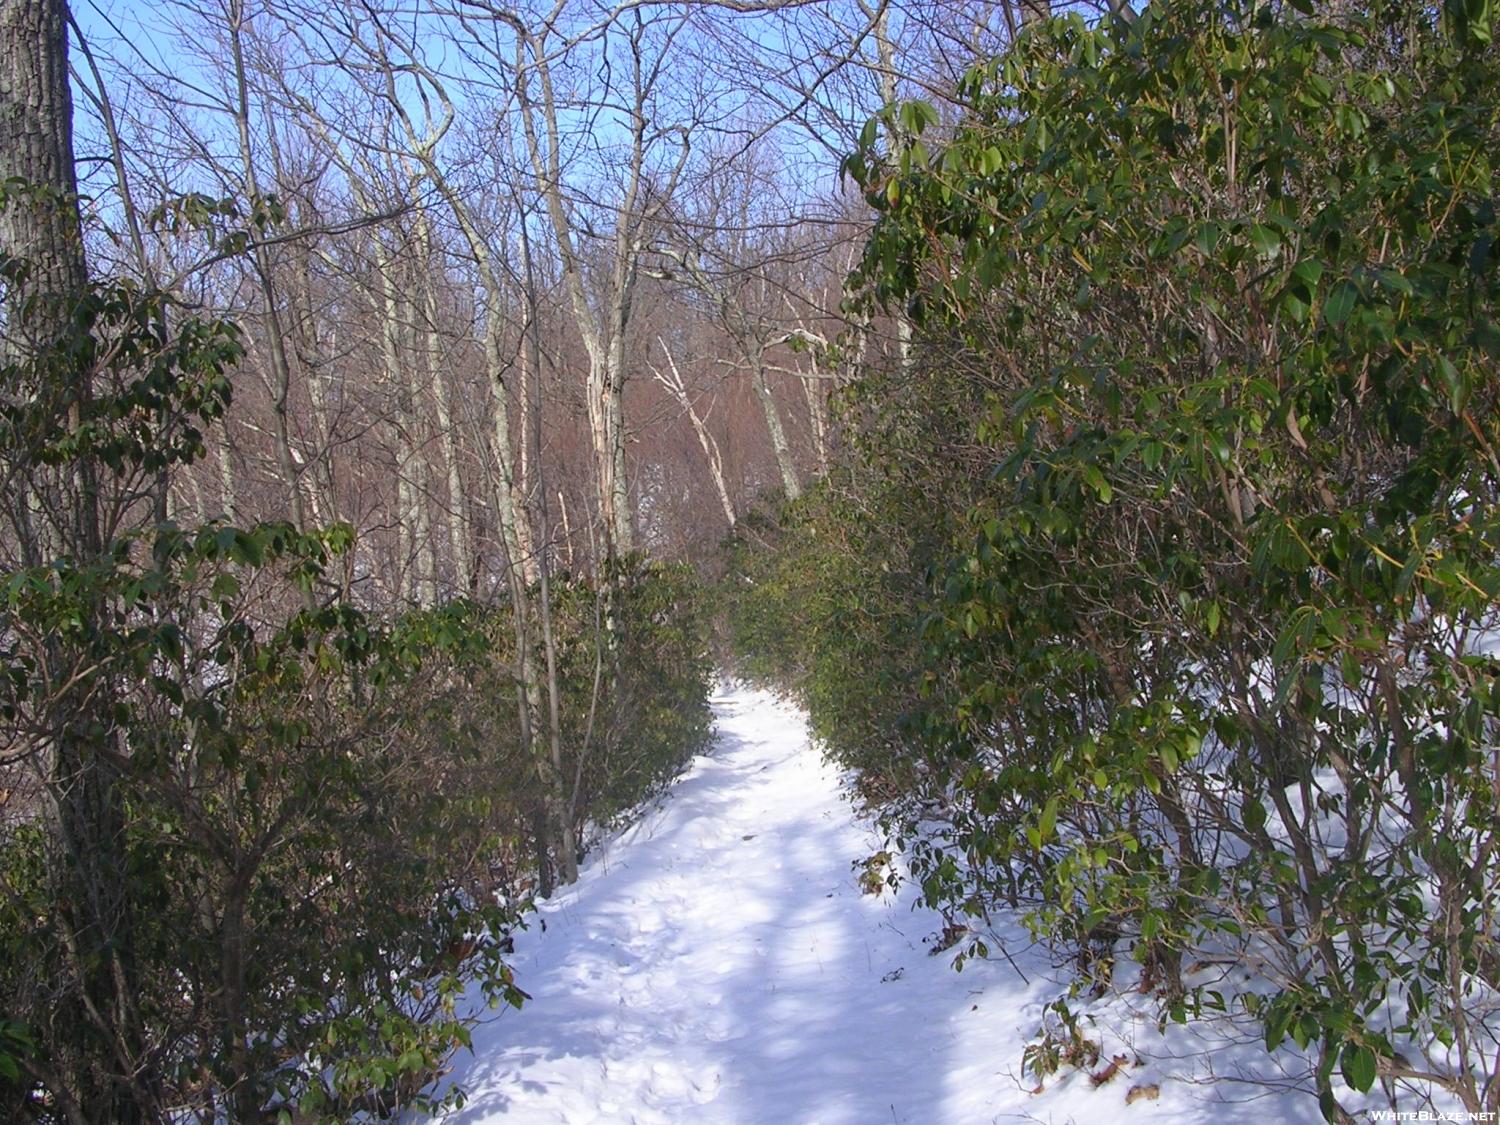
[463, 566]
[100, 1060]
[784, 463]
[515, 528]
[36, 122]
[559, 802]
[302, 333]
[413, 539]
[281, 369]
[817, 416]
[224, 460]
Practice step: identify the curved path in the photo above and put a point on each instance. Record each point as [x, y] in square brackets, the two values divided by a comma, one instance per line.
[719, 963]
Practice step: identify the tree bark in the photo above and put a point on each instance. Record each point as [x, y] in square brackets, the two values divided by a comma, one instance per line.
[36, 145]
[100, 1061]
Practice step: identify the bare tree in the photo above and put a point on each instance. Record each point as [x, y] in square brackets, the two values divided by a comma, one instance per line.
[672, 380]
[647, 168]
[728, 251]
[236, 21]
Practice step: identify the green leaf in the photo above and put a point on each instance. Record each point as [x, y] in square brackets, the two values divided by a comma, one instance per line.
[1096, 481]
[1358, 1066]
[1479, 254]
[1254, 814]
[1340, 303]
[915, 116]
[1457, 386]
[1395, 281]
[1267, 242]
[1278, 1019]
[1303, 1030]
[1047, 823]
[1308, 272]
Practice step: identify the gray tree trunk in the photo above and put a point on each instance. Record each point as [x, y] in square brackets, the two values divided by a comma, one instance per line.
[790, 481]
[95, 1041]
[36, 124]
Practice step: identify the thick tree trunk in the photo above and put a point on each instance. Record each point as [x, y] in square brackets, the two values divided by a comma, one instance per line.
[421, 487]
[224, 460]
[98, 1047]
[609, 460]
[616, 493]
[36, 124]
[39, 224]
[416, 515]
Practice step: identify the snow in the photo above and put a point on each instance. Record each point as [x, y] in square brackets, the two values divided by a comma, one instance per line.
[718, 962]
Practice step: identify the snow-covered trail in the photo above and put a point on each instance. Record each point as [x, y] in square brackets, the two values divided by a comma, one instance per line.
[719, 963]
